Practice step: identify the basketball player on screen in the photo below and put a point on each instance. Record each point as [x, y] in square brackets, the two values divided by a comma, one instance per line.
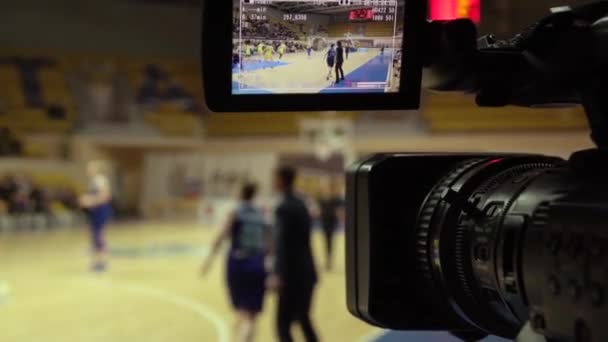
[347, 50]
[281, 50]
[339, 63]
[268, 53]
[236, 60]
[261, 51]
[247, 53]
[330, 58]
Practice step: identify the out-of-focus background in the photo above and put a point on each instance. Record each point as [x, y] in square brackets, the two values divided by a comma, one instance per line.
[119, 81]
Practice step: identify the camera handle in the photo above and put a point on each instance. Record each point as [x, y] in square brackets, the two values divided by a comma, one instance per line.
[562, 59]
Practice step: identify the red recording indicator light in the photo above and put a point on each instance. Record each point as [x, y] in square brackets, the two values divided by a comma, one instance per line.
[453, 9]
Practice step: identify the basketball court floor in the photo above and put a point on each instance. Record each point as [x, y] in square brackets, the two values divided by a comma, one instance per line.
[300, 73]
[153, 290]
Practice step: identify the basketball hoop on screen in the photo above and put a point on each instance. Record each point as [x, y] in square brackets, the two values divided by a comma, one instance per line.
[327, 136]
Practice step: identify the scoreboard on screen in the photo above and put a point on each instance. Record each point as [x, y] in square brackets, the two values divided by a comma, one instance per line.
[361, 14]
[329, 2]
[358, 10]
[373, 14]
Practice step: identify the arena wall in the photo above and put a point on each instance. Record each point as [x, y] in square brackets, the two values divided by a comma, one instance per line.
[200, 184]
[50, 173]
[111, 26]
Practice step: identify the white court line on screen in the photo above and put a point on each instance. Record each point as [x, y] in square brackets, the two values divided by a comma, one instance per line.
[220, 326]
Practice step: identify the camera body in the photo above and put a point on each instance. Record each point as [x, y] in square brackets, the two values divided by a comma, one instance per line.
[478, 243]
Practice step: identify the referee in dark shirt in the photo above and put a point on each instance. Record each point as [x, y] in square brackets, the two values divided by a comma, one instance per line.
[339, 63]
[295, 276]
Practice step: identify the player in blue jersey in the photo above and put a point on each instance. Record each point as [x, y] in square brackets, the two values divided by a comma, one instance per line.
[330, 58]
[236, 61]
[97, 202]
[249, 237]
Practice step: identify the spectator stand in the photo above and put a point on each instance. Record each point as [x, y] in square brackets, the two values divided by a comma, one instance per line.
[168, 95]
[31, 199]
[34, 95]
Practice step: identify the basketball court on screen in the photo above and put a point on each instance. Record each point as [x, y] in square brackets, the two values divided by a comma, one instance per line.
[298, 73]
[297, 47]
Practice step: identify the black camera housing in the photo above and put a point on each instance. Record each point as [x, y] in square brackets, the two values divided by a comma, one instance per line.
[384, 286]
[479, 243]
[217, 45]
[406, 242]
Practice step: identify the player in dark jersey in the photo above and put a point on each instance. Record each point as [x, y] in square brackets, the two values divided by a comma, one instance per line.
[331, 213]
[339, 63]
[236, 61]
[330, 57]
[246, 276]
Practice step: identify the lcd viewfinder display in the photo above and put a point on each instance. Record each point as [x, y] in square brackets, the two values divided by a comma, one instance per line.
[317, 46]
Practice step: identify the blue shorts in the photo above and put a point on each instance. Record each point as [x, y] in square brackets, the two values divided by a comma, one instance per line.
[331, 62]
[247, 282]
[98, 217]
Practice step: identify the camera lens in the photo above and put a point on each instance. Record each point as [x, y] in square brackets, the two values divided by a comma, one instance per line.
[470, 234]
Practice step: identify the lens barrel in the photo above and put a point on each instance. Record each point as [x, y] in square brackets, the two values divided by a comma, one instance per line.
[471, 230]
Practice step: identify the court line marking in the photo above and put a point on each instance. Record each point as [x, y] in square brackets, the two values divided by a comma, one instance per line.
[5, 292]
[297, 90]
[220, 326]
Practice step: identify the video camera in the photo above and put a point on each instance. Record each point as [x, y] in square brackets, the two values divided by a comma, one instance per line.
[474, 244]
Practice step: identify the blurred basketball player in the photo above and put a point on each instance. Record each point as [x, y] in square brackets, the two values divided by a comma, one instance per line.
[247, 55]
[268, 54]
[236, 61]
[331, 212]
[330, 57]
[309, 50]
[97, 202]
[347, 50]
[246, 277]
[339, 63]
[260, 51]
[294, 274]
[281, 50]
